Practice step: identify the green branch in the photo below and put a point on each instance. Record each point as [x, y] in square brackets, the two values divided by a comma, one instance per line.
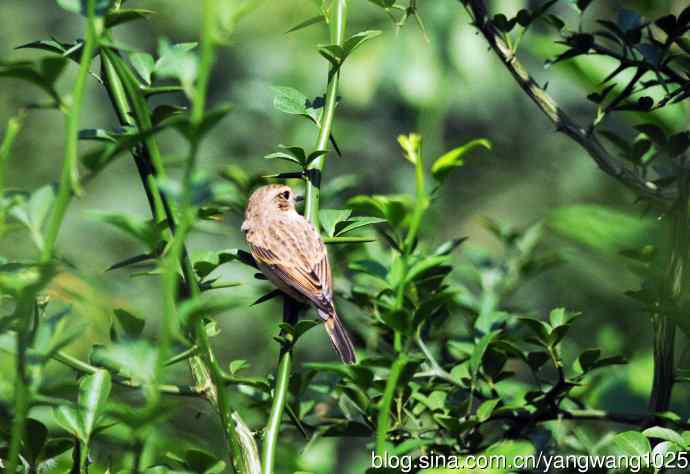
[69, 182]
[276, 415]
[338, 25]
[311, 213]
[85, 368]
[129, 99]
[14, 125]
[383, 421]
[674, 291]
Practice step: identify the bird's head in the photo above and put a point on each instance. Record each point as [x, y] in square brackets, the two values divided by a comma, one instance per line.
[273, 197]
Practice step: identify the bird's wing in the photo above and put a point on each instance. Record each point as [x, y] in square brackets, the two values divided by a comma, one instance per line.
[301, 264]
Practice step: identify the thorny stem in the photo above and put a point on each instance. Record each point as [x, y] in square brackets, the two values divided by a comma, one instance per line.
[311, 213]
[337, 27]
[22, 388]
[276, 415]
[563, 123]
[383, 421]
[204, 366]
[68, 183]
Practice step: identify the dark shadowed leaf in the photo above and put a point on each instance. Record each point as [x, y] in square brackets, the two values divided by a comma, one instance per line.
[131, 325]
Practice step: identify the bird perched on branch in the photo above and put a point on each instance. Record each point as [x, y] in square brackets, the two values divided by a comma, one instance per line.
[290, 253]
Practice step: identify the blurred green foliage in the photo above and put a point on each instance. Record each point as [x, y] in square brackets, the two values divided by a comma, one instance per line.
[540, 228]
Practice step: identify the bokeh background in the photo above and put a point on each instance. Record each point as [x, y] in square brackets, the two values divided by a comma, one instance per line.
[449, 88]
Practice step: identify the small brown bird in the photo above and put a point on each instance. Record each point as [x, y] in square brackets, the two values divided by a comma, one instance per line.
[290, 253]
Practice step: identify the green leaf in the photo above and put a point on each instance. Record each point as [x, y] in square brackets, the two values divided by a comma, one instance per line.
[35, 437]
[358, 39]
[94, 391]
[560, 316]
[203, 306]
[329, 218]
[176, 61]
[510, 450]
[237, 365]
[479, 351]
[539, 328]
[455, 158]
[665, 434]
[42, 74]
[141, 229]
[295, 154]
[207, 262]
[590, 360]
[394, 208]
[290, 101]
[16, 278]
[131, 325]
[603, 229]
[337, 54]
[55, 333]
[632, 443]
[144, 65]
[126, 15]
[131, 359]
[314, 155]
[34, 212]
[486, 409]
[356, 222]
[308, 22]
[52, 45]
[349, 240]
[333, 53]
[55, 447]
[68, 418]
[203, 462]
[423, 266]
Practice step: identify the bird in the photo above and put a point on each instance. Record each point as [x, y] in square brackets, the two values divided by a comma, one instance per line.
[289, 251]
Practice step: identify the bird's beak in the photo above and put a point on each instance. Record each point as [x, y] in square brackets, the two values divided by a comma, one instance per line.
[299, 198]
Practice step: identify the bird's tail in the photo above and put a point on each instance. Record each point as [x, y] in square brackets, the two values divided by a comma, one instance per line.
[339, 337]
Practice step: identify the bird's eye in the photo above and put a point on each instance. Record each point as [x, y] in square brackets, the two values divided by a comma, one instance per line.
[285, 194]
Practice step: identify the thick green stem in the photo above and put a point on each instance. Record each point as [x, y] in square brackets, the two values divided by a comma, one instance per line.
[383, 421]
[69, 182]
[337, 25]
[675, 289]
[22, 388]
[279, 400]
[204, 367]
[311, 213]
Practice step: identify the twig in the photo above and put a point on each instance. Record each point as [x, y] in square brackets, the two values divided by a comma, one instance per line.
[311, 213]
[564, 124]
[69, 183]
[383, 421]
[86, 368]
